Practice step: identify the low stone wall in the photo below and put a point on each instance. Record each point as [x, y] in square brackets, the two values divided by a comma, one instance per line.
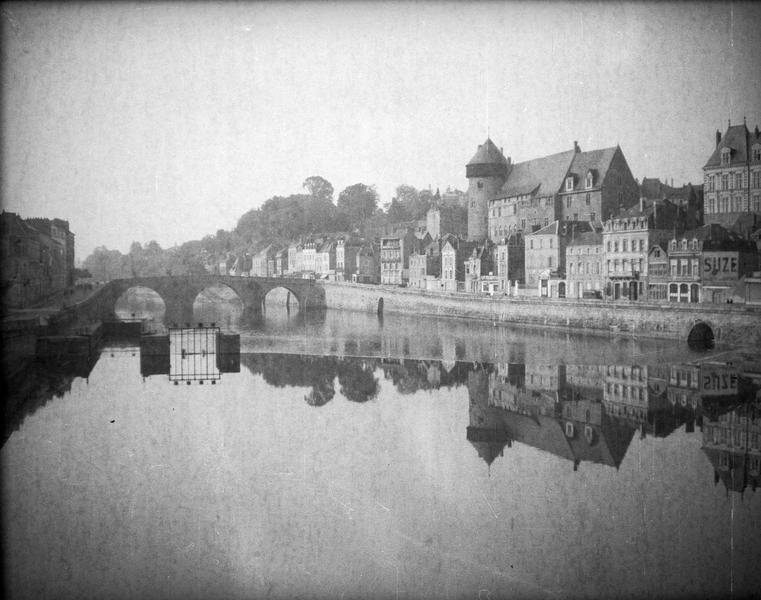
[732, 324]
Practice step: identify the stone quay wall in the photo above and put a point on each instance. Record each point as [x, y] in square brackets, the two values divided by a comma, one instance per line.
[732, 324]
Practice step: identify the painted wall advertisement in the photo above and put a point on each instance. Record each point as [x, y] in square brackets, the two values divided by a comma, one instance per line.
[720, 266]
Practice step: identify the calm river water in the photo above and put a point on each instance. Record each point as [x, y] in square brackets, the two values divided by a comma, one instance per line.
[343, 456]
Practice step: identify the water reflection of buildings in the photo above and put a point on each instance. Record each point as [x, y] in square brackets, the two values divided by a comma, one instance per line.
[731, 404]
[534, 405]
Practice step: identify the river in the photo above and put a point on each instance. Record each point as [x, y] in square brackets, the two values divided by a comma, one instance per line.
[339, 455]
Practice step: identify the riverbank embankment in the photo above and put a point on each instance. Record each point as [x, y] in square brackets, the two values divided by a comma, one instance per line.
[732, 325]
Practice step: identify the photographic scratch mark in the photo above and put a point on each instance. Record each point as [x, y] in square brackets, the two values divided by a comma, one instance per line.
[496, 516]
[386, 508]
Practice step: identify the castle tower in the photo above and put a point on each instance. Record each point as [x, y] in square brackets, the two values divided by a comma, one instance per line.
[486, 173]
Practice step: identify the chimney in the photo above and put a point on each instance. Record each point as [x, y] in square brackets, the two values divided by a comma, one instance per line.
[757, 132]
[718, 137]
[576, 146]
[641, 204]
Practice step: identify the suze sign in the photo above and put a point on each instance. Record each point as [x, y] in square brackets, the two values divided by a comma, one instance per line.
[717, 380]
[720, 265]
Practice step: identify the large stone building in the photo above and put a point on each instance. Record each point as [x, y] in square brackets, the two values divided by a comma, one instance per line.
[732, 180]
[568, 186]
[36, 259]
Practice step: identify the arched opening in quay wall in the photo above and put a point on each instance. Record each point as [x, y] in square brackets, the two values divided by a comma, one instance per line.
[701, 337]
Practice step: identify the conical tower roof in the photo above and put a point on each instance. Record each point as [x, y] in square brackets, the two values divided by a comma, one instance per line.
[488, 154]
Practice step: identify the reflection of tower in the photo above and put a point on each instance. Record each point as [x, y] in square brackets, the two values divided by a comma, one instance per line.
[486, 173]
[487, 431]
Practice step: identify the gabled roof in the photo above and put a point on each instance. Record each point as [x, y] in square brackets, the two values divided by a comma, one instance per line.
[738, 139]
[594, 160]
[488, 154]
[540, 176]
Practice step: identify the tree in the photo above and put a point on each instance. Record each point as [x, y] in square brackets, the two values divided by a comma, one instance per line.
[357, 203]
[319, 188]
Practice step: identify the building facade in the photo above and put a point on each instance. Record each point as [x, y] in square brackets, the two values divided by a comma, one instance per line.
[584, 265]
[546, 254]
[732, 179]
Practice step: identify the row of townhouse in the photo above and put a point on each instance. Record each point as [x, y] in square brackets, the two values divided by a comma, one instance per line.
[643, 254]
[36, 259]
[339, 259]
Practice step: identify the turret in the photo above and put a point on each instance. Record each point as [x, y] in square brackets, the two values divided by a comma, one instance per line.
[486, 173]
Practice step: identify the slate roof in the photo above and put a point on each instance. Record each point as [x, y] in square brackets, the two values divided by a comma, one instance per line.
[739, 139]
[556, 227]
[595, 160]
[488, 154]
[587, 238]
[541, 176]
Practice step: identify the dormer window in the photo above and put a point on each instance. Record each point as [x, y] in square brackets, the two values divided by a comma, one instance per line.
[673, 244]
[695, 244]
[684, 244]
[756, 152]
[590, 180]
[725, 156]
[569, 184]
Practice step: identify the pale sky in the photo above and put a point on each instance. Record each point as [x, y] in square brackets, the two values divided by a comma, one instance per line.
[169, 121]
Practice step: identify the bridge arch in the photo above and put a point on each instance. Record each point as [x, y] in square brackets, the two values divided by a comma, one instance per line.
[701, 336]
[140, 302]
[219, 303]
[283, 296]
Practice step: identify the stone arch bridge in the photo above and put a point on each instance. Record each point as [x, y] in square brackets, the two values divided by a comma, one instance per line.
[179, 293]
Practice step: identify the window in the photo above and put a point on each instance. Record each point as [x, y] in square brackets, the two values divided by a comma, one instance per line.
[480, 185]
[738, 181]
[620, 197]
[549, 261]
[531, 244]
[615, 246]
[568, 202]
[608, 245]
[756, 178]
[590, 180]
[756, 152]
[725, 154]
[625, 246]
[569, 184]
[588, 199]
[756, 206]
[725, 182]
